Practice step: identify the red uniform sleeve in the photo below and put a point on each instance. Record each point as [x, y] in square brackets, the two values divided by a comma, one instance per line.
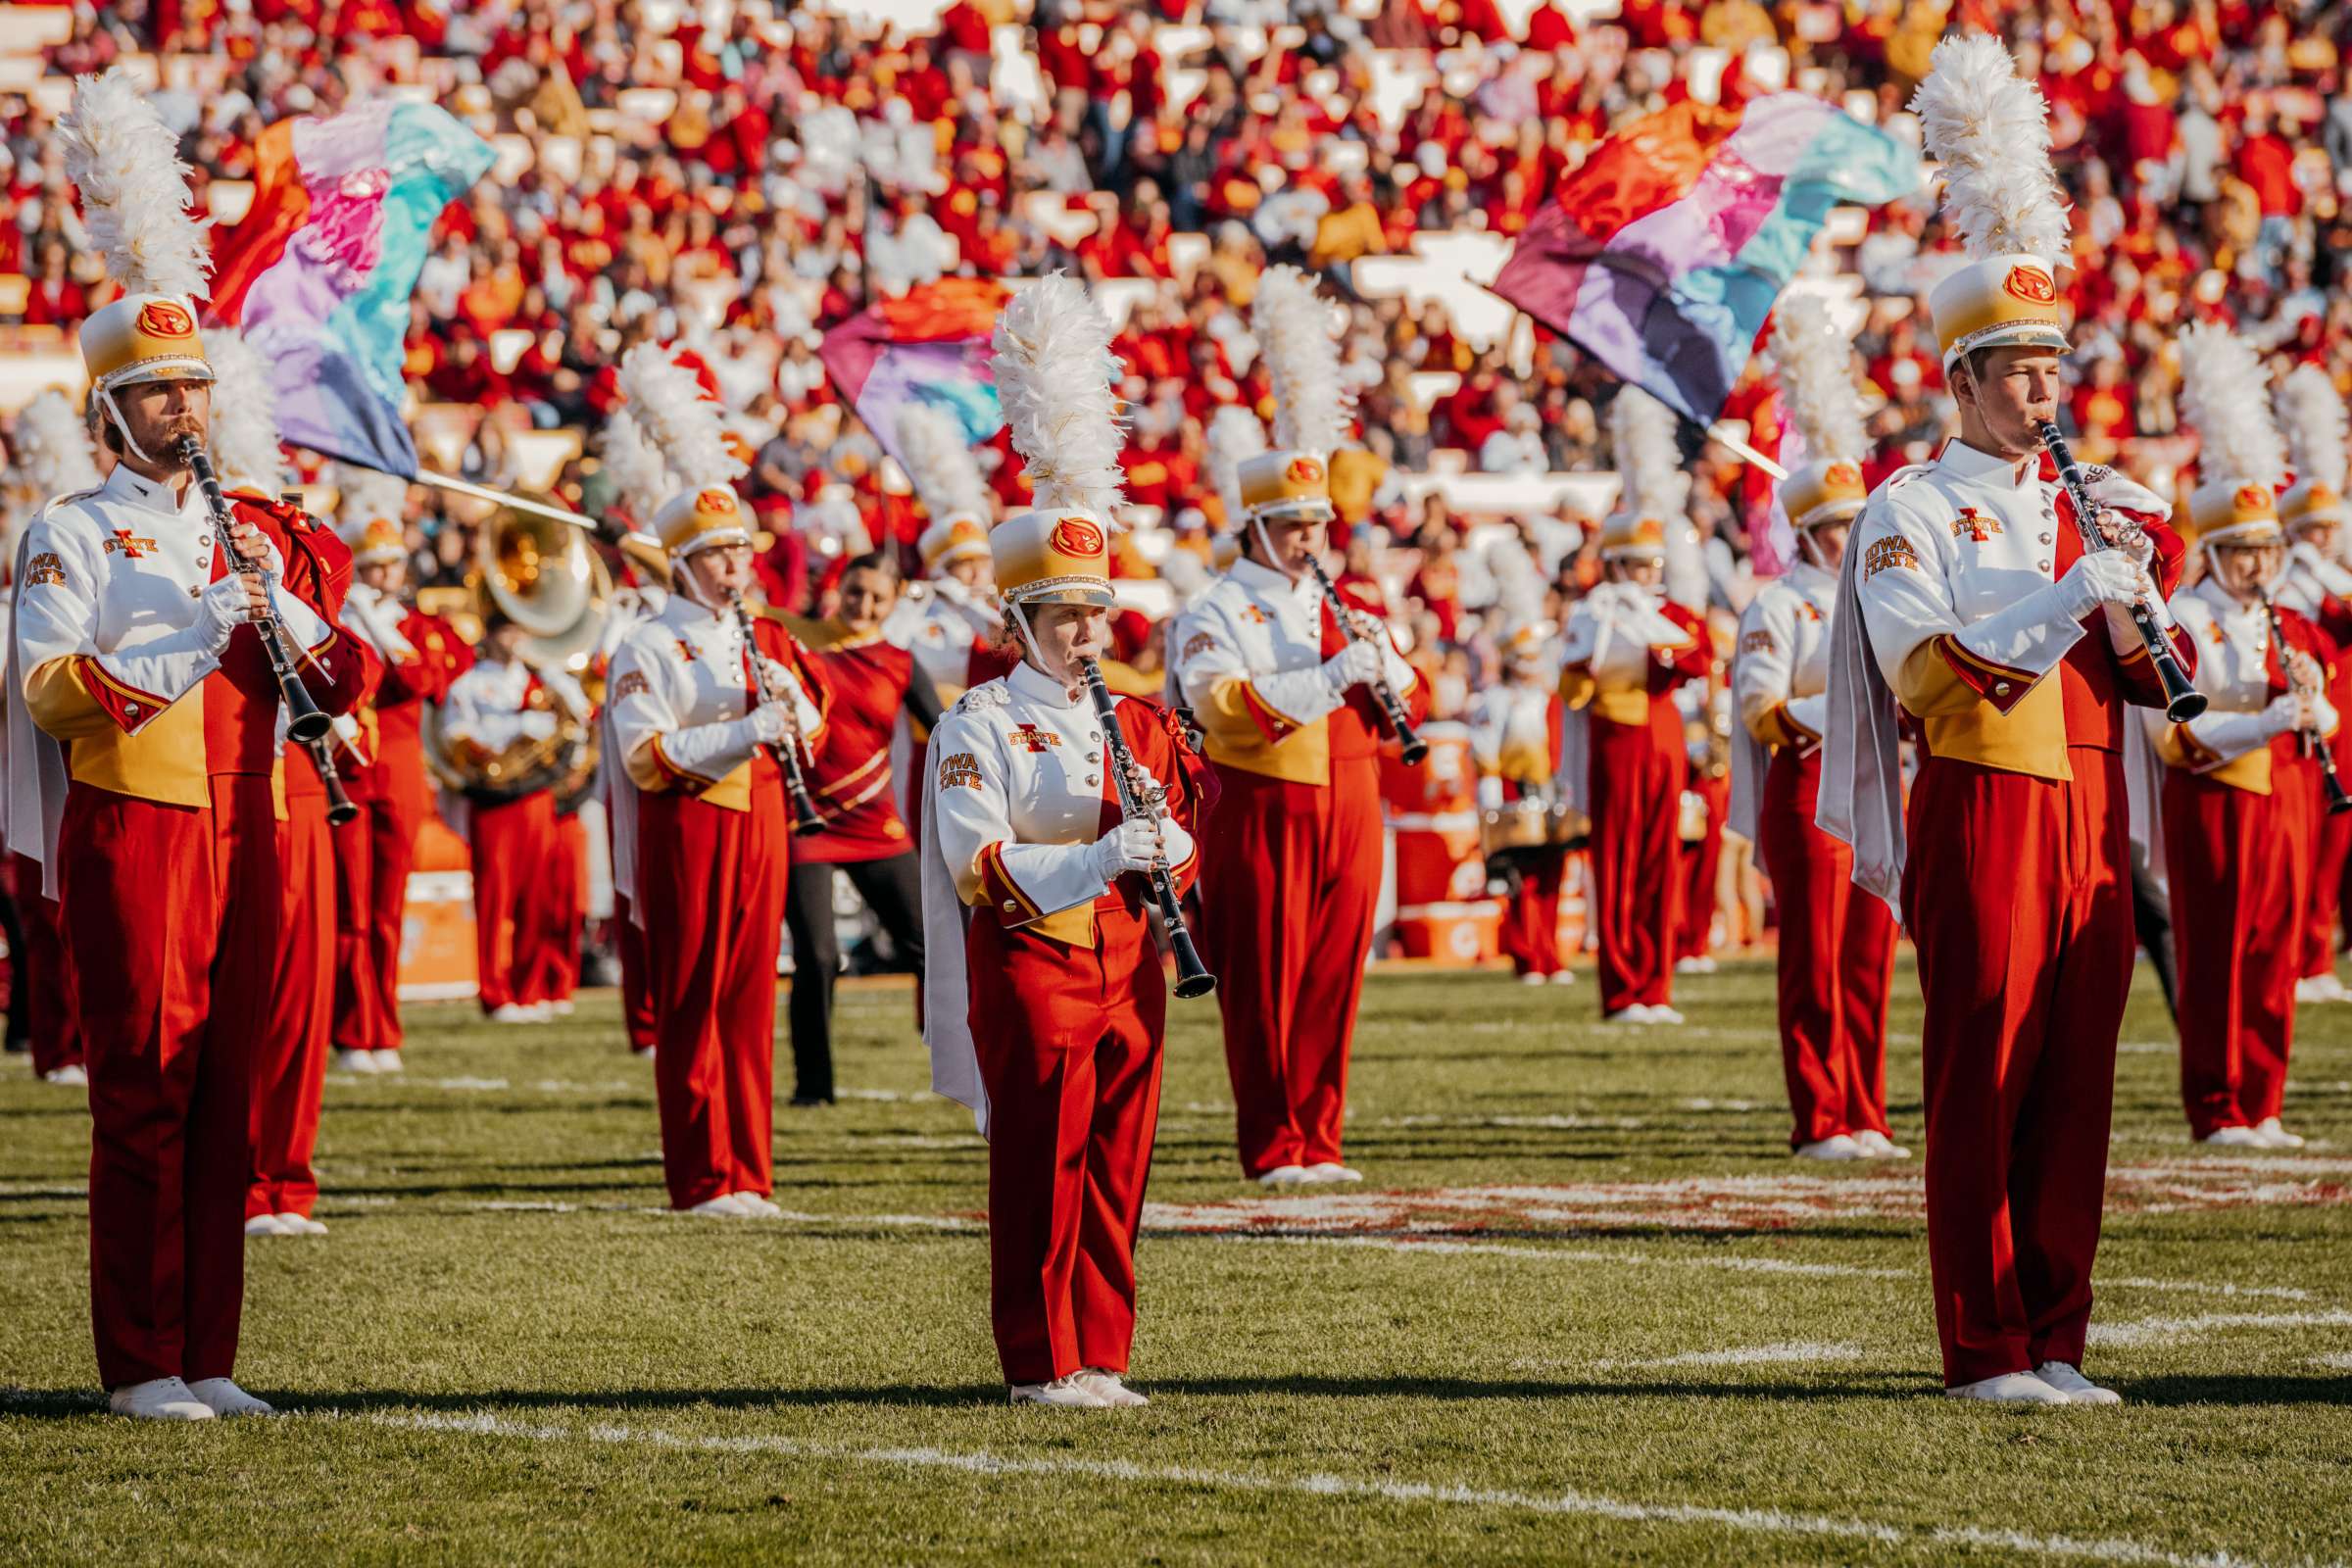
[1156, 737]
[1694, 662]
[340, 676]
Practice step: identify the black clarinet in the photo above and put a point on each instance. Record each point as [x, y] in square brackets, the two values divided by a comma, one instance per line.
[1401, 724]
[339, 808]
[303, 720]
[1193, 978]
[2338, 801]
[805, 818]
[2182, 700]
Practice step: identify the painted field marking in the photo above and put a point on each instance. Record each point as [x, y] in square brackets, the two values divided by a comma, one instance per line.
[2158, 1330]
[981, 1462]
[1575, 1255]
[1794, 1352]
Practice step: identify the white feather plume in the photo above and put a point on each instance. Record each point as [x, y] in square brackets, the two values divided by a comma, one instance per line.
[1235, 435]
[689, 430]
[2224, 394]
[134, 189]
[362, 495]
[1650, 458]
[939, 463]
[2312, 412]
[1991, 130]
[1055, 376]
[1297, 332]
[1816, 380]
[53, 448]
[640, 478]
[244, 413]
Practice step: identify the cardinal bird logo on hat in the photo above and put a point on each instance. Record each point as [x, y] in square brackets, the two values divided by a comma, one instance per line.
[1305, 470]
[162, 319]
[1076, 536]
[2031, 284]
[717, 499]
[2253, 498]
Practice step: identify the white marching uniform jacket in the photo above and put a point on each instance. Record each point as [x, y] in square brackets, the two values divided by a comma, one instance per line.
[1248, 656]
[676, 689]
[1014, 801]
[111, 581]
[941, 629]
[2232, 738]
[490, 703]
[1512, 737]
[1780, 681]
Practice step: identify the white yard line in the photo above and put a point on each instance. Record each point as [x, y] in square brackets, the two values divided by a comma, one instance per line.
[2159, 1330]
[1796, 1352]
[1571, 1254]
[980, 1462]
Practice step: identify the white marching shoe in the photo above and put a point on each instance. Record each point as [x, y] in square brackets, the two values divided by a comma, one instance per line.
[290, 1224]
[1331, 1171]
[69, 1076]
[1638, 1014]
[358, 1062]
[1531, 978]
[1840, 1147]
[2273, 1136]
[266, 1225]
[162, 1399]
[513, 1012]
[755, 1206]
[2078, 1389]
[2234, 1138]
[1698, 965]
[560, 1006]
[2010, 1388]
[226, 1399]
[1065, 1393]
[1284, 1176]
[1563, 977]
[1878, 1146]
[727, 1206]
[388, 1061]
[2321, 988]
[1659, 1012]
[1106, 1386]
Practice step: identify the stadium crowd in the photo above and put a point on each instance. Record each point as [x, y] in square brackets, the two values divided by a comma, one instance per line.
[746, 176]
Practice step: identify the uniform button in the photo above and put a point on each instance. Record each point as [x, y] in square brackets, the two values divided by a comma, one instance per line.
[2045, 538]
[195, 593]
[2044, 565]
[2000, 688]
[1010, 907]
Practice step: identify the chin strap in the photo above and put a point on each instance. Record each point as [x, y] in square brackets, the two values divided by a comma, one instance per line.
[106, 399]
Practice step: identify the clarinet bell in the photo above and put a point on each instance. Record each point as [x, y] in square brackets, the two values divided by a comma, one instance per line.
[1413, 749]
[339, 812]
[303, 720]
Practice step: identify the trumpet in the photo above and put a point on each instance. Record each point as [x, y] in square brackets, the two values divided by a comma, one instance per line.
[1401, 724]
[2182, 700]
[2314, 743]
[1193, 978]
[806, 820]
[304, 721]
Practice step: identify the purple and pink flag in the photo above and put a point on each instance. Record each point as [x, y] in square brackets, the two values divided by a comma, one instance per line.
[320, 272]
[1662, 253]
[931, 346]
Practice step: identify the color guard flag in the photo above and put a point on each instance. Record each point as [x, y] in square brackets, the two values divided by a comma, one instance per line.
[932, 346]
[1661, 254]
[320, 272]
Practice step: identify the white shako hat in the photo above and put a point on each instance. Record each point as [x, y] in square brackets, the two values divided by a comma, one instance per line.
[947, 481]
[2240, 457]
[1298, 332]
[2311, 412]
[681, 423]
[1818, 397]
[1056, 379]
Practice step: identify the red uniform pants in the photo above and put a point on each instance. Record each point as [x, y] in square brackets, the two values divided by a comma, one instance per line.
[1637, 792]
[636, 990]
[45, 972]
[375, 852]
[553, 960]
[2239, 866]
[289, 1064]
[1070, 1049]
[2018, 895]
[1703, 866]
[1290, 878]
[2334, 835]
[513, 845]
[176, 907]
[1836, 961]
[1531, 920]
[710, 886]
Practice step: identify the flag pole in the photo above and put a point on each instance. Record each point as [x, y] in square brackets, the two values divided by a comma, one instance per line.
[1740, 448]
[482, 492]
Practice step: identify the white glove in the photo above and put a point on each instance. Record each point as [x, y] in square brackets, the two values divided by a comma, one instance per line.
[538, 725]
[765, 725]
[2102, 577]
[221, 610]
[2322, 717]
[2283, 715]
[779, 679]
[1131, 845]
[2332, 578]
[1356, 665]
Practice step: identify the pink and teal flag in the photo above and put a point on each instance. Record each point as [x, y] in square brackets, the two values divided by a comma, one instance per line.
[320, 272]
[1661, 254]
[931, 346]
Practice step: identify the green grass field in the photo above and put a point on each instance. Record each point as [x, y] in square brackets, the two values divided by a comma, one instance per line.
[1584, 1309]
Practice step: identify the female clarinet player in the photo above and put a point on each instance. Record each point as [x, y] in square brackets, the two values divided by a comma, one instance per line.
[872, 680]
[1043, 999]
[711, 715]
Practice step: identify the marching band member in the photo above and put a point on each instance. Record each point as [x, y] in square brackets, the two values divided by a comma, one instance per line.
[1966, 596]
[1624, 651]
[141, 743]
[1706, 802]
[2241, 790]
[1279, 678]
[1045, 999]
[54, 461]
[501, 702]
[1836, 946]
[1515, 740]
[2317, 585]
[956, 629]
[383, 770]
[289, 1062]
[871, 681]
[697, 731]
